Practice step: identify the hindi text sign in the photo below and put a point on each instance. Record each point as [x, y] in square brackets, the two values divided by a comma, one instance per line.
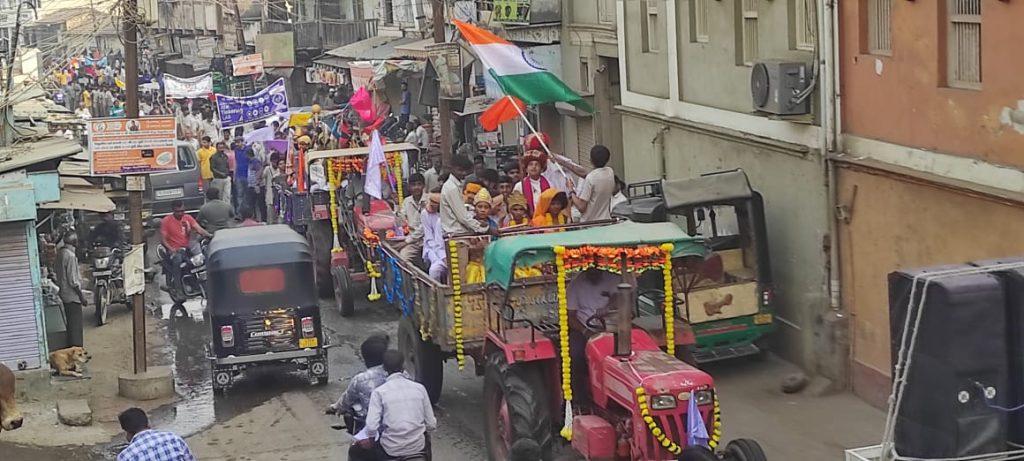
[144, 145]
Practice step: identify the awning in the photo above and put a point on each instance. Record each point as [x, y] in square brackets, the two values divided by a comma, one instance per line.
[476, 105]
[332, 61]
[30, 153]
[416, 49]
[81, 198]
[371, 49]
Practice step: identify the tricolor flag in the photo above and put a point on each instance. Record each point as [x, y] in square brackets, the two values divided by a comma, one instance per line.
[515, 73]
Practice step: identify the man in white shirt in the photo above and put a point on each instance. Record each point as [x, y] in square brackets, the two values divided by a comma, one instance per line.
[422, 136]
[595, 193]
[533, 163]
[455, 217]
[433, 239]
[400, 414]
[411, 211]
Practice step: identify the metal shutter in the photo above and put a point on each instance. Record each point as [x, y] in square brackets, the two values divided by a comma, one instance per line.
[584, 139]
[19, 338]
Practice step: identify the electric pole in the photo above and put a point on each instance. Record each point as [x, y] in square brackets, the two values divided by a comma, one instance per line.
[136, 183]
[444, 115]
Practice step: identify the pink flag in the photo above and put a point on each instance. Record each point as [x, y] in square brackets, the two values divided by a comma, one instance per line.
[363, 104]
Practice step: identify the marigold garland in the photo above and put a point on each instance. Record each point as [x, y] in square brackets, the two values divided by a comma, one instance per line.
[332, 180]
[563, 336]
[398, 179]
[638, 260]
[652, 425]
[716, 425]
[666, 269]
[460, 352]
[374, 274]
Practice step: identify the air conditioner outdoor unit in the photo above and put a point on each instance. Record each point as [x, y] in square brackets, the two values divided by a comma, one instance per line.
[775, 87]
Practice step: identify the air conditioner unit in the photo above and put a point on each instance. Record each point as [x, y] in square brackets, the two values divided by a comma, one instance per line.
[775, 87]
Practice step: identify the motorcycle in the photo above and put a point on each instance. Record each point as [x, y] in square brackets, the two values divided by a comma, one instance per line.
[192, 283]
[353, 424]
[108, 280]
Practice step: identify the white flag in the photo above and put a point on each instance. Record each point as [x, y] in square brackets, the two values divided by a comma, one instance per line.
[373, 184]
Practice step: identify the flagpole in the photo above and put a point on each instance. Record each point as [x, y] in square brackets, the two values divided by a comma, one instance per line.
[539, 137]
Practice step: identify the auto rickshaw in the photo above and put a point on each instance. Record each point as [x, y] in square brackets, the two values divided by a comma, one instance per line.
[262, 302]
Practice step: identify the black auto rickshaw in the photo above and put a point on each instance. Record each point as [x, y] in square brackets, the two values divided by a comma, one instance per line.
[262, 302]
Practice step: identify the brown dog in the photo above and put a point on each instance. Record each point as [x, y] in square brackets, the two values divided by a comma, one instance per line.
[68, 362]
[10, 417]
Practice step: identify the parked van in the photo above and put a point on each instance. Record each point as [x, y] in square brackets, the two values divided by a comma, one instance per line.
[184, 184]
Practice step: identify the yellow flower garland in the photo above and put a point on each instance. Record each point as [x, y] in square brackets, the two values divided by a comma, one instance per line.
[716, 425]
[332, 179]
[374, 274]
[460, 352]
[398, 179]
[652, 425]
[666, 269]
[563, 336]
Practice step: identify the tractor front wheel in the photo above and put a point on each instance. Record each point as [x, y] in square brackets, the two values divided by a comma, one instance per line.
[343, 296]
[423, 360]
[744, 450]
[696, 453]
[515, 407]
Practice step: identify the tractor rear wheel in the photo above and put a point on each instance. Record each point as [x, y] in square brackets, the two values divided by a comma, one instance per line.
[343, 296]
[515, 407]
[321, 239]
[423, 360]
[744, 450]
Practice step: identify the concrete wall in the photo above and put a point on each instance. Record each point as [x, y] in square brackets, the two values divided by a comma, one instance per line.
[796, 214]
[653, 66]
[709, 73]
[903, 98]
[899, 223]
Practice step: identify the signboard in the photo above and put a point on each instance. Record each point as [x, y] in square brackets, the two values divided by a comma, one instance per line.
[206, 46]
[250, 64]
[511, 11]
[362, 76]
[270, 101]
[447, 61]
[195, 87]
[132, 145]
[134, 271]
[278, 49]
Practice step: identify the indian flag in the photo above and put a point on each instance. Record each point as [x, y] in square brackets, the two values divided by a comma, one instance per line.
[515, 73]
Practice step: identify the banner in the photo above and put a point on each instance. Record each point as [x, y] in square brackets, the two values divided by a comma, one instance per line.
[195, 87]
[270, 101]
[250, 64]
[511, 12]
[447, 61]
[132, 146]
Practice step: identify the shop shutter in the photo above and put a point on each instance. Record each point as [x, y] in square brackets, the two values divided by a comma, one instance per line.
[584, 139]
[19, 339]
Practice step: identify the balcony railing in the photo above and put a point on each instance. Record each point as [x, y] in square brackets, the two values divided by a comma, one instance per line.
[326, 33]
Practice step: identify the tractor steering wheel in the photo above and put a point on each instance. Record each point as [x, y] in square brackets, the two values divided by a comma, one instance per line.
[597, 323]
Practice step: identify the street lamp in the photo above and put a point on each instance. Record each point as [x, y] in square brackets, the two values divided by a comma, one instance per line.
[8, 110]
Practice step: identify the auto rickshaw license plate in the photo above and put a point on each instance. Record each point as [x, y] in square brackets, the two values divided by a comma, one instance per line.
[762, 319]
[308, 342]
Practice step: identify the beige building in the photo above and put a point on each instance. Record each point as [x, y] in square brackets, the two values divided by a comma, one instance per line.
[686, 109]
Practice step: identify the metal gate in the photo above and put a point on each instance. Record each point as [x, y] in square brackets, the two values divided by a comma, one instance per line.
[584, 139]
[19, 332]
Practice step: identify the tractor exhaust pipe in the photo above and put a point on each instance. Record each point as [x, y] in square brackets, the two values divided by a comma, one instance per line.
[624, 320]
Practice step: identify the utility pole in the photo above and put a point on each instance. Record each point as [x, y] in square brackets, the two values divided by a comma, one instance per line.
[131, 110]
[444, 113]
[7, 130]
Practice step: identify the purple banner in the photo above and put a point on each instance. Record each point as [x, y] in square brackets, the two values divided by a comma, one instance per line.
[270, 101]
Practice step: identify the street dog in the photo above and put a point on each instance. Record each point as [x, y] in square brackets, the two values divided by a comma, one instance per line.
[10, 417]
[68, 362]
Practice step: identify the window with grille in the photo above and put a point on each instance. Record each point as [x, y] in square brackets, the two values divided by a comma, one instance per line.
[584, 75]
[649, 31]
[805, 24]
[748, 31]
[880, 27]
[699, 21]
[606, 11]
[964, 43]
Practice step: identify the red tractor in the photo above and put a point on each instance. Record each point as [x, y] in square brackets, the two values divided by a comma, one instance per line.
[637, 395]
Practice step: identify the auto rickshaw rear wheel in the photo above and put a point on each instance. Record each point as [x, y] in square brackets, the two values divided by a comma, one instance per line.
[515, 407]
[744, 450]
[423, 360]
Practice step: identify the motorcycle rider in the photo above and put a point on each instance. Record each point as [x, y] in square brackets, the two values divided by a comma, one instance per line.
[177, 232]
[107, 233]
[356, 399]
[400, 415]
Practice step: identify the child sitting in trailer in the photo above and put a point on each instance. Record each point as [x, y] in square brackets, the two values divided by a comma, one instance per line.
[516, 217]
[551, 208]
[482, 209]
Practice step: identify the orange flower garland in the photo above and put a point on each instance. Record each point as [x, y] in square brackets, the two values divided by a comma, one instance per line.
[639, 259]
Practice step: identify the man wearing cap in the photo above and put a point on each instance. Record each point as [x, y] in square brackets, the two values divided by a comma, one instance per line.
[533, 163]
[432, 235]
[455, 218]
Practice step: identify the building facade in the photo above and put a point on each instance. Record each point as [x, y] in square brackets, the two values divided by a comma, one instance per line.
[687, 110]
[933, 121]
